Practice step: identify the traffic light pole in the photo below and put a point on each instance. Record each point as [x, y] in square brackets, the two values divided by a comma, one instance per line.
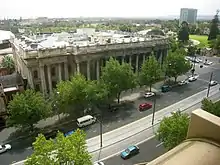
[209, 84]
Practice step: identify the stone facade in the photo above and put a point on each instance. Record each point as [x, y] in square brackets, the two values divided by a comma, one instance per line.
[44, 68]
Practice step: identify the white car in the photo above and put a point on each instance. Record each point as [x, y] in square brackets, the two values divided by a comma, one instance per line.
[213, 83]
[149, 94]
[4, 148]
[208, 63]
[183, 82]
[192, 78]
[99, 163]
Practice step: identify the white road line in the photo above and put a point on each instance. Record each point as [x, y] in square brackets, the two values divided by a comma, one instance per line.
[160, 144]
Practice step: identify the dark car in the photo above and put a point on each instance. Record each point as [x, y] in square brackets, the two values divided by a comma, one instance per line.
[165, 88]
[50, 134]
[130, 151]
[145, 106]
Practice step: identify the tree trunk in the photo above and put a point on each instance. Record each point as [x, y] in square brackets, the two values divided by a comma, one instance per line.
[175, 79]
[150, 87]
[118, 97]
[32, 127]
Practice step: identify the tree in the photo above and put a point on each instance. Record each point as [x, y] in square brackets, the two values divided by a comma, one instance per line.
[183, 34]
[64, 150]
[27, 108]
[209, 106]
[8, 62]
[73, 93]
[173, 130]
[150, 72]
[176, 65]
[214, 30]
[118, 77]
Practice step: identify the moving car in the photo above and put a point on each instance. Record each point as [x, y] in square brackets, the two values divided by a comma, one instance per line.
[145, 106]
[183, 82]
[4, 148]
[208, 63]
[149, 94]
[99, 163]
[213, 83]
[192, 78]
[130, 151]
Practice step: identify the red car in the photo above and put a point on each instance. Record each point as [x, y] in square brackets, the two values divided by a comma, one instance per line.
[145, 106]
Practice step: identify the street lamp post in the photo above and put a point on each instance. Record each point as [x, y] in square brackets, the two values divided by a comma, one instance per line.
[100, 126]
[209, 84]
[154, 109]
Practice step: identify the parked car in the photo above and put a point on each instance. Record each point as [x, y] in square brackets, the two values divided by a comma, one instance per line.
[149, 94]
[69, 133]
[208, 63]
[50, 134]
[213, 83]
[4, 148]
[85, 121]
[165, 88]
[145, 106]
[129, 152]
[183, 82]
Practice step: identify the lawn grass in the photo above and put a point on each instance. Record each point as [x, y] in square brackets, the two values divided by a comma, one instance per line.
[202, 39]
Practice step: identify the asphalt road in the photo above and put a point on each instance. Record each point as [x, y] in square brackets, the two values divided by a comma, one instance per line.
[149, 150]
[127, 114]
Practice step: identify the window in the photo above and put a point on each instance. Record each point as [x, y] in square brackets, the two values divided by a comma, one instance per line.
[35, 74]
[53, 71]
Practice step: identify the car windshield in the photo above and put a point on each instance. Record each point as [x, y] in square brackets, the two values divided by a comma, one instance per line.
[127, 151]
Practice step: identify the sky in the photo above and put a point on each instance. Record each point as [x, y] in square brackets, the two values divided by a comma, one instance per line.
[103, 8]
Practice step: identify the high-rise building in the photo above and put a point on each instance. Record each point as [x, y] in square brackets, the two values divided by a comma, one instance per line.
[188, 15]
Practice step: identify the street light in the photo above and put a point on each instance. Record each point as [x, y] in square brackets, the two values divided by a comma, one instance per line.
[100, 126]
[154, 109]
[209, 84]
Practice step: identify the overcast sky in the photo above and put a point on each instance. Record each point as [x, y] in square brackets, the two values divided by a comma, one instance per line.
[103, 8]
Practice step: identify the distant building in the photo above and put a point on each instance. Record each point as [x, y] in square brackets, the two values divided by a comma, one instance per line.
[188, 15]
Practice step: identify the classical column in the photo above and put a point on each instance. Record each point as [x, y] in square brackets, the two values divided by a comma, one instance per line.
[130, 60]
[97, 69]
[122, 59]
[30, 78]
[43, 81]
[77, 68]
[137, 58]
[49, 78]
[66, 71]
[88, 70]
[144, 56]
[60, 71]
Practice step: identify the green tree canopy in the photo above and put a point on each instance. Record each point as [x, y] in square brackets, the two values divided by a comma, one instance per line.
[176, 65]
[150, 72]
[118, 77]
[209, 106]
[173, 130]
[27, 108]
[214, 29]
[63, 150]
[183, 34]
[8, 62]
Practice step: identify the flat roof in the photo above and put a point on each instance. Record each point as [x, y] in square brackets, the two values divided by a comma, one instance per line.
[6, 35]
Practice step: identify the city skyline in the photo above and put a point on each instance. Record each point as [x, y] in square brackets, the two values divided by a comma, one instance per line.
[96, 8]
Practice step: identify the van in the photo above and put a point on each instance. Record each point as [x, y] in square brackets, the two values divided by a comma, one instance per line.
[85, 120]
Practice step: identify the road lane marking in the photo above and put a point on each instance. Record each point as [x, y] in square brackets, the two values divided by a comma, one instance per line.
[160, 144]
